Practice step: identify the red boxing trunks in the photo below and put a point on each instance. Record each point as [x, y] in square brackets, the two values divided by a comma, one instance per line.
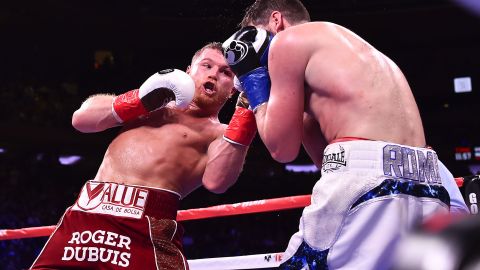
[116, 226]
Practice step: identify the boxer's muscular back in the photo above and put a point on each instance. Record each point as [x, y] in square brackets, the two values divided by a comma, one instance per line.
[354, 90]
[167, 150]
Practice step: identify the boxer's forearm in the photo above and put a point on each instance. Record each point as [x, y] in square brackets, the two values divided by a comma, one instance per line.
[95, 114]
[282, 140]
[224, 165]
[266, 130]
[267, 133]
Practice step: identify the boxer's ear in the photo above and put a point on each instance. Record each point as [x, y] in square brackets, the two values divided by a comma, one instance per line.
[276, 22]
[232, 92]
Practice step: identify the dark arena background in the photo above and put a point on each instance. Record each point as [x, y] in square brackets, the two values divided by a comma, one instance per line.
[54, 54]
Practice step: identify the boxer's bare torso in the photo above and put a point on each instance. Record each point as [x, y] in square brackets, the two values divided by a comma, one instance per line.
[166, 150]
[347, 87]
[171, 148]
[370, 99]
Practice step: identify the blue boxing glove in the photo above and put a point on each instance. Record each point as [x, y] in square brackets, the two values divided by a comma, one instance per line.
[246, 52]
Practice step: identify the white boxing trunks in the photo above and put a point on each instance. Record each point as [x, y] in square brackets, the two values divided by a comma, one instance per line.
[371, 193]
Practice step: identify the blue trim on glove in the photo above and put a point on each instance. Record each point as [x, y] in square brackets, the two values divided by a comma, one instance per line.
[256, 84]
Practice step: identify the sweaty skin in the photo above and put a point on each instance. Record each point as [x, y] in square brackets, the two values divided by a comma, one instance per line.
[330, 85]
[174, 149]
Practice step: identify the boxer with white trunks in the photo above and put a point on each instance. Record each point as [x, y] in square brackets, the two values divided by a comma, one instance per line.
[314, 84]
[366, 186]
[171, 143]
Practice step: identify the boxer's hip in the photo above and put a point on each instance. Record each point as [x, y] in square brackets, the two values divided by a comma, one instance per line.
[127, 201]
[360, 172]
[116, 226]
[366, 186]
[382, 159]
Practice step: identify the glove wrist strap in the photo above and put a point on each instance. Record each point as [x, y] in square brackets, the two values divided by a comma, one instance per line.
[242, 127]
[128, 106]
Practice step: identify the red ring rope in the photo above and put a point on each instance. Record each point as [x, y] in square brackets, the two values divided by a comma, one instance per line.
[259, 206]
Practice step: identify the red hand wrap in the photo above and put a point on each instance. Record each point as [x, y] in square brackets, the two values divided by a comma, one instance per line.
[128, 106]
[242, 127]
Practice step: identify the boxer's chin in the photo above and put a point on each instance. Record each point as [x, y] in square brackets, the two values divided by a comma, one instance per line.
[207, 102]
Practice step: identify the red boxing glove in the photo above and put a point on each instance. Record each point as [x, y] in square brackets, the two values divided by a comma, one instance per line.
[242, 127]
[158, 90]
[128, 106]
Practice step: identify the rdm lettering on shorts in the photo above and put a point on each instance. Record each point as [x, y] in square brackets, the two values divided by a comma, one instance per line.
[112, 199]
[334, 159]
[83, 247]
[412, 164]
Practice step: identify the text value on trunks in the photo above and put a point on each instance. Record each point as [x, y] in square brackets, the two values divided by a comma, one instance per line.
[112, 199]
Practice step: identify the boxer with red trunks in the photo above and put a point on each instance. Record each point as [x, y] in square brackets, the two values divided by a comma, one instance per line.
[108, 226]
[171, 143]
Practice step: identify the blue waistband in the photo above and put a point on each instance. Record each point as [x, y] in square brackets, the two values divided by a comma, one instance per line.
[396, 186]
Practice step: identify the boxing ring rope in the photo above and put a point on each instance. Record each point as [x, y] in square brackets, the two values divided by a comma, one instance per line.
[266, 260]
[256, 261]
[266, 205]
[240, 262]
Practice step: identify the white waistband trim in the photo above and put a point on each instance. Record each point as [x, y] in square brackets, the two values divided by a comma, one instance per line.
[382, 158]
[157, 188]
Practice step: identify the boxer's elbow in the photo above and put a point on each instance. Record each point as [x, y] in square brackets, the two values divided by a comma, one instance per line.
[82, 122]
[284, 154]
[282, 157]
[219, 190]
[282, 148]
[90, 121]
[78, 121]
[217, 187]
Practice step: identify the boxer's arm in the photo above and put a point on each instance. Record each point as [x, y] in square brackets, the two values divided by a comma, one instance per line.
[313, 140]
[279, 121]
[95, 114]
[225, 162]
[156, 92]
[226, 157]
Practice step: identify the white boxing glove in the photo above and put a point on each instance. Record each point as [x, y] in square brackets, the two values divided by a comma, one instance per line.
[156, 92]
